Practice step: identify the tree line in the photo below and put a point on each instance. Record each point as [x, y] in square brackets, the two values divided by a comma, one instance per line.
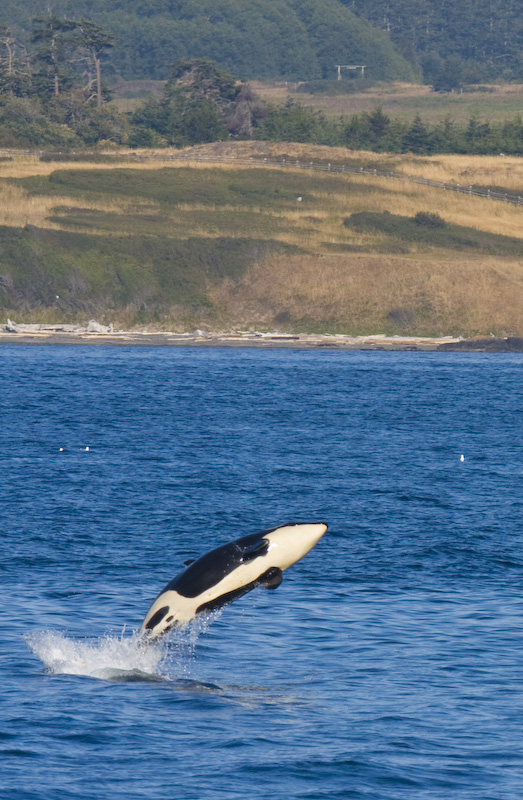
[53, 95]
[449, 44]
[378, 132]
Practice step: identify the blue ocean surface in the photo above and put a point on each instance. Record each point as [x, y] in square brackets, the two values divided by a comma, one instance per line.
[387, 666]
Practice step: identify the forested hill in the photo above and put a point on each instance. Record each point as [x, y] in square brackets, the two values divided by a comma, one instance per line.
[293, 39]
[469, 41]
[448, 43]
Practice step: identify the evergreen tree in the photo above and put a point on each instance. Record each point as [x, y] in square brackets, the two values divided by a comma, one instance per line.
[15, 70]
[201, 78]
[95, 41]
[24, 123]
[479, 138]
[446, 74]
[355, 129]
[201, 103]
[293, 123]
[60, 78]
[511, 136]
[447, 137]
[378, 123]
[416, 139]
[51, 55]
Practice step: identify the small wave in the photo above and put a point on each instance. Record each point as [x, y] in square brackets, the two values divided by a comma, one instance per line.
[118, 658]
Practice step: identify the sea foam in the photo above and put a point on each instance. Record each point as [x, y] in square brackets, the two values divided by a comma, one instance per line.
[119, 658]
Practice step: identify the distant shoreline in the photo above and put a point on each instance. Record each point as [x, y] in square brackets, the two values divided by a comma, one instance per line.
[96, 334]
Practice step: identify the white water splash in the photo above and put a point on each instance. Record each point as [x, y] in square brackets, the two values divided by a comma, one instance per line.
[108, 658]
[130, 658]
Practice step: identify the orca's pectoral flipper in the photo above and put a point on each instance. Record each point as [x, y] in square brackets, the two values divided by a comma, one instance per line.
[271, 579]
[255, 551]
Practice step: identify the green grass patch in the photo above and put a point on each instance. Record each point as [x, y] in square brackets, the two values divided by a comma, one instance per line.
[348, 85]
[182, 185]
[69, 275]
[83, 156]
[91, 219]
[179, 225]
[409, 230]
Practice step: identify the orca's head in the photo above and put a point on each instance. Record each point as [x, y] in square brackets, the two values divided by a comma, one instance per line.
[289, 543]
[159, 622]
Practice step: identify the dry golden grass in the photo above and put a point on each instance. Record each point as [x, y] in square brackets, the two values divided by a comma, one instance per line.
[18, 208]
[407, 199]
[260, 149]
[318, 221]
[403, 198]
[426, 292]
[505, 171]
[351, 293]
[486, 170]
[25, 165]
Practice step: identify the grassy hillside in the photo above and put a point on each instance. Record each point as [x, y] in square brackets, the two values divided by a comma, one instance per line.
[186, 244]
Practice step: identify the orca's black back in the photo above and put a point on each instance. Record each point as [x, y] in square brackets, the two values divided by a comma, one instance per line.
[211, 568]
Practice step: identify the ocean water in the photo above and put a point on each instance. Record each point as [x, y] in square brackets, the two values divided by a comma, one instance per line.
[387, 666]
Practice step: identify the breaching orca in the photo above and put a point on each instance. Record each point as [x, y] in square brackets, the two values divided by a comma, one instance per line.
[230, 571]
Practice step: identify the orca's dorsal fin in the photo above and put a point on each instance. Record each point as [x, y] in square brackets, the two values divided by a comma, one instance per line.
[256, 550]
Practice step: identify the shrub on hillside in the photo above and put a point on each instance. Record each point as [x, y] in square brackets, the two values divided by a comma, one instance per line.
[429, 220]
[426, 229]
